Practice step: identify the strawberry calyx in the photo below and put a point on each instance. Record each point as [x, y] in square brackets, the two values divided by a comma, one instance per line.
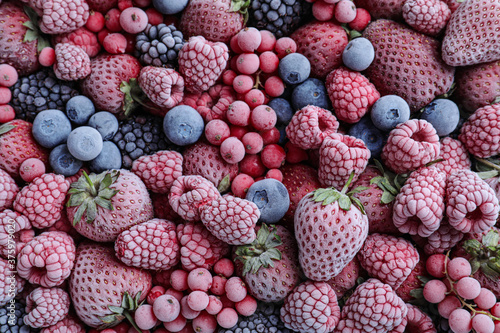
[390, 183]
[129, 304]
[34, 32]
[240, 6]
[7, 127]
[90, 191]
[262, 251]
[485, 254]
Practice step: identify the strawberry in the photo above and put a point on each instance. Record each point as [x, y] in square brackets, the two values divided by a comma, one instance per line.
[211, 104]
[101, 206]
[421, 75]
[102, 5]
[110, 81]
[387, 9]
[322, 43]
[102, 288]
[471, 35]
[329, 230]
[269, 265]
[347, 278]
[216, 20]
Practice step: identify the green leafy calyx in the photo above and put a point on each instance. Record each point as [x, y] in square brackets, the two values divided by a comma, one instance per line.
[6, 128]
[34, 32]
[129, 304]
[485, 255]
[90, 191]
[262, 252]
[389, 183]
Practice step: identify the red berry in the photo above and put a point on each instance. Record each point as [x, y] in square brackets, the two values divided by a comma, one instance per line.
[232, 150]
[233, 44]
[8, 75]
[236, 289]
[345, 11]
[175, 325]
[226, 302]
[273, 156]
[199, 279]
[205, 323]
[154, 293]
[361, 20]
[47, 56]
[274, 86]
[5, 95]
[112, 20]
[468, 287]
[227, 318]
[224, 267]
[275, 174]
[486, 299]
[263, 118]
[269, 61]
[186, 310]
[31, 168]
[249, 39]
[435, 265]
[142, 3]
[102, 34]
[295, 154]
[238, 131]
[253, 142]
[198, 300]
[176, 293]
[238, 113]
[254, 98]
[7, 113]
[482, 323]
[268, 41]
[214, 305]
[124, 4]
[115, 43]
[270, 136]
[247, 63]
[458, 268]
[243, 84]
[460, 321]
[247, 306]
[252, 165]
[154, 16]
[240, 185]
[228, 77]
[446, 306]
[166, 308]
[216, 131]
[434, 291]
[145, 317]
[218, 285]
[323, 11]
[285, 46]
[178, 280]
[133, 20]
[95, 22]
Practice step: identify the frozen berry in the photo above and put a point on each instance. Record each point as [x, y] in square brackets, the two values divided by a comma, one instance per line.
[468, 287]
[5, 95]
[199, 279]
[175, 325]
[460, 321]
[235, 289]
[218, 285]
[458, 268]
[435, 265]
[482, 323]
[434, 291]
[112, 20]
[238, 113]
[285, 46]
[31, 168]
[249, 39]
[198, 300]
[232, 150]
[240, 185]
[247, 306]
[243, 83]
[269, 62]
[145, 317]
[154, 293]
[345, 11]
[133, 20]
[115, 43]
[216, 131]
[447, 305]
[47, 56]
[274, 86]
[186, 310]
[205, 323]
[254, 98]
[214, 305]
[486, 299]
[273, 156]
[224, 267]
[247, 63]
[178, 280]
[253, 142]
[263, 118]
[227, 318]
[268, 41]
[8, 75]
[166, 308]
[95, 22]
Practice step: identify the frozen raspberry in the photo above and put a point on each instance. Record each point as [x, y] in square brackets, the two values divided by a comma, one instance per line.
[311, 307]
[471, 204]
[189, 194]
[201, 62]
[163, 86]
[310, 125]
[149, 245]
[72, 62]
[15, 229]
[158, 171]
[46, 307]
[47, 259]
[9, 287]
[81, 37]
[372, 299]
[454, 155]
[351, 94]
[479, 133]
[61, 16]
[388, 258]
[419, 206]
[42, 200]
[410, 145]
[115, 43]
[341, 155]
[8, 190]
[441, 240]
[212, 104]
[426, 16]
[199, 248]
[68, 324]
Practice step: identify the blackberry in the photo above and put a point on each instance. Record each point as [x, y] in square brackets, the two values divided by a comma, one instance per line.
[265, 319]
[281, 17]
[11, 318]
[159, 45]
[141, 134]
[38, 92]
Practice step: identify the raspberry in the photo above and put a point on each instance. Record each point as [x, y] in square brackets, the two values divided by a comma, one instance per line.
[163, 86]
[479, 133]
[471, 204]
[9, 190]
[351, 94]
[72, 62]
[14, 227]
[426, 16]
[443, 239]
[81, 37]
[418, 321]
[60, 16]
[212, 104]
[454, 155]
[158, 171]
[410, 145]
[310, 125]
[419, 206]
[46, 307]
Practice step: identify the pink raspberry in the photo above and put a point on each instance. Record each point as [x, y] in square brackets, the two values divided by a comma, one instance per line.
[61, 16]
[72, 62]
[471, 204]
[419, 206]
[311, 307]
[8, 287]
[47, 259]
[163, 86]
[340, 155]
[81, 37]
[454, 155]
[480, 133]
[201, 62]
[46, 307]
[351, 94]
[68, 324]
[426, 16]
[211, 104]
[8, 190]
[149, 245]
[388, 258]
[13, 224]
[372, 299]
[441, 240]
[158, 171]
[310, 125]
[410, 145]
[189, 194]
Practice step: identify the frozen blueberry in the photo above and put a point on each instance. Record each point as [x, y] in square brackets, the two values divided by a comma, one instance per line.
[443, 114]
[183, 125]
[85, 143]
[310, 92]
[51, 128]
[170, 7]
[294, 68]
[358, 54]
[109, 158]
[79, 109]
[271, 196]
[283, 109]
[373, 138]
[105, 123]
[389, 111]
[62, 162]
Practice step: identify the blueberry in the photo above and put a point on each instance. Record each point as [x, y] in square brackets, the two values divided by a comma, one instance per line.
[358, 54]
[183, 125]
[105, 123]
[271, 196]
[283, 109]
[373, 138]
[389, 111]
[443, 114]
[109, 158]
[51, 128]
[170, 7]
[294, 68]
[310, 92]
[85, 143]
[79, 109]
[62, 162]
